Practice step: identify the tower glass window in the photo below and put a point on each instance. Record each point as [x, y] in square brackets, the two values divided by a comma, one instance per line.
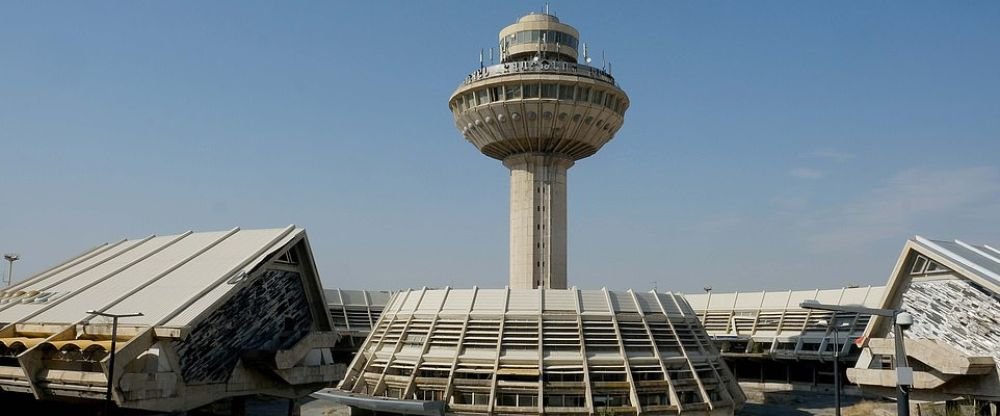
[565, 92]
[597, 97]
[512, 91]
[549, 90]
[546, 36]
[530, 90]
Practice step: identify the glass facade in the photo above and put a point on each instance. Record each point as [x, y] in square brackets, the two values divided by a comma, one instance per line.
[540, 36]
[549, 90]
[544, 90]
[512, 92]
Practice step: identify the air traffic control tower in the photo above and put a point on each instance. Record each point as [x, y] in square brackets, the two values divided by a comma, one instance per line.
[538, 111]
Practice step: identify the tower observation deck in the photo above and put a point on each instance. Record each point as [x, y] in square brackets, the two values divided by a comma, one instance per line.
[538, 111]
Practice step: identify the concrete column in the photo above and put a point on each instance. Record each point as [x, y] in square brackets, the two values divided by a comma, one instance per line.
[538, 220]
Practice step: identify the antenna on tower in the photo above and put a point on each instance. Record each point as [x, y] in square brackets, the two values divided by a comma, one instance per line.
[604, 61]
[480, 58]
[546, 7]
[586, 53]
[491, 57]
[541, 45]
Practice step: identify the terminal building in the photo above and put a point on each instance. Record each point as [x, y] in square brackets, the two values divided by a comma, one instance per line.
[772, 344]
[354, 314]
[536, 346]
[529, 351]
[223, 315]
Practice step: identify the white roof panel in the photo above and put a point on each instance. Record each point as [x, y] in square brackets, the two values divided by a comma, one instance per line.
[982, 260]
[107, 291]
[180, 275]
[66, 281]
[458, 301]
[164, 296]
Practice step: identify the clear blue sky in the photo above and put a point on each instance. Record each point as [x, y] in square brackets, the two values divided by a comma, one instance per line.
[769, 145]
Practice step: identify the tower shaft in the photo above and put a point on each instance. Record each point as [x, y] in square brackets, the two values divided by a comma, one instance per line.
[538, 220]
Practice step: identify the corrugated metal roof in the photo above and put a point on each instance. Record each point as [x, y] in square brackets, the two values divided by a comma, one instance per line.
[170, 279]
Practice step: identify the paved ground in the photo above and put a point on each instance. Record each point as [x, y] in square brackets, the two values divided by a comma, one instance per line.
[778, 405]
[768, 404]
[810, 404]
[771, 404]
[323, 408]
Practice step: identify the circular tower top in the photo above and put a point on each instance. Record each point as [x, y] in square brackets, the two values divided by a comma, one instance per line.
[539, 99]
[538, 34]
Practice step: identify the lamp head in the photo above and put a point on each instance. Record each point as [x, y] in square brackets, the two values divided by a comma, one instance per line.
[904, 320]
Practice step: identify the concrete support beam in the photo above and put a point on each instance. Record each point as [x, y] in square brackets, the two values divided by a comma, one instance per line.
[538, 220]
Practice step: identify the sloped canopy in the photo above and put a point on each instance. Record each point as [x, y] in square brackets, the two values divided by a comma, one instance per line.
[952, 290]
[224, 313]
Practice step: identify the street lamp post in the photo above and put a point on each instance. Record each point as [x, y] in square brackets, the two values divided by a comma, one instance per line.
[11, 258]
[904, 373]
[708, 302]
[111, 361]
[836, 359]
[900, 319]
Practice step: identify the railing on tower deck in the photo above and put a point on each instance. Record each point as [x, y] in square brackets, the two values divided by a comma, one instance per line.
[540, 66]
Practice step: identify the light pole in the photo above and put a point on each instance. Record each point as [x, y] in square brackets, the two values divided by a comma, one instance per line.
[900, 319]
[111, 364]
[11, 258]
[708, 290]
[836, 359]
[904, 373]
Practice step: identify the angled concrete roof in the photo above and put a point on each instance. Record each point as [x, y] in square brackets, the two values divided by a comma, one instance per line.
[980, 262]
[170, 279]
[952, 290]
[225, 313]
[360, 298]
[354, 312]
[775, 318]
[784, 299]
